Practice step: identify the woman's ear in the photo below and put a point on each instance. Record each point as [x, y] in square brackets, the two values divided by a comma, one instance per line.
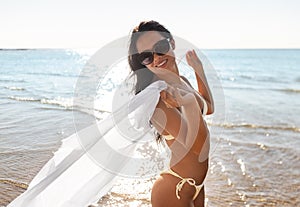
[172, 44]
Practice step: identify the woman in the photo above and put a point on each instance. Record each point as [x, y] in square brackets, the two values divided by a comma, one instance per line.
[178, 115]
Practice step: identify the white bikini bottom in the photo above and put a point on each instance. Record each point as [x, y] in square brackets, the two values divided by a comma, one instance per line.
[180, 184]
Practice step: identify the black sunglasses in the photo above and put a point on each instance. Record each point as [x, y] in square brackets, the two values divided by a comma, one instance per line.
[160, 48]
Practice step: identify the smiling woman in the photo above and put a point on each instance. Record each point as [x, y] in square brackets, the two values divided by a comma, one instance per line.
[178, 117]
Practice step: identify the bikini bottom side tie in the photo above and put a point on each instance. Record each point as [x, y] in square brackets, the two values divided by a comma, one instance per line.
[180, 184]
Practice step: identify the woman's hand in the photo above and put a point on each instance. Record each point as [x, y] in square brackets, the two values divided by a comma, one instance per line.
[168, 99]
[176, 97]
[193, 60]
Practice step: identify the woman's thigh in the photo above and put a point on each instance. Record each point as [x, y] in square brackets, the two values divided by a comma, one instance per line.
[164, 193]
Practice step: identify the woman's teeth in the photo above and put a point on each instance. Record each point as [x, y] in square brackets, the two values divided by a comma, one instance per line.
[162, 63]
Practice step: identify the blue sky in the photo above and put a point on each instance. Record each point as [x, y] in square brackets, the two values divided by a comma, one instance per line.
[93, 23]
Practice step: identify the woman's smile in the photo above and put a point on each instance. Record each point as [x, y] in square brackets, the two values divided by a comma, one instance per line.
[162, 63]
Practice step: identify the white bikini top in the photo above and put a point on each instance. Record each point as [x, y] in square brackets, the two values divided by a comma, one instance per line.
[168, 137]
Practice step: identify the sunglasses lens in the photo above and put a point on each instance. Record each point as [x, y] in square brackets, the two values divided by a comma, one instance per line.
[146, 58]
[162, 47]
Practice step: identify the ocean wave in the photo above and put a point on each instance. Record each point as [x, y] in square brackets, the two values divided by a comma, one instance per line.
[63, 102]
[12, 81]
[289, 90]
[242, 88]
[255, 126]
[15, 183]
[17, 98]
[249, 77]
[15, 88]
[52, 74]
[7, 127]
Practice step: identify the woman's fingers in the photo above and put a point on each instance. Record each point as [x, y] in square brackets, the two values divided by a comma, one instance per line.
[169, 99]
[192, 58]
[163, 94]
[173, 97]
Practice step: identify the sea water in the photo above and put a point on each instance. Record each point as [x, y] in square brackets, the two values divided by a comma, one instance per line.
[255, 160]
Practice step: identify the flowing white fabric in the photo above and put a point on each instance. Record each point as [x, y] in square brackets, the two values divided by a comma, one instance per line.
[88, 162]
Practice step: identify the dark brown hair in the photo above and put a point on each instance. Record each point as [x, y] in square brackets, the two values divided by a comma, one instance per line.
[142, 74]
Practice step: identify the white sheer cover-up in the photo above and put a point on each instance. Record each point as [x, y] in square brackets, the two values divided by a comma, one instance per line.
[86, 165]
